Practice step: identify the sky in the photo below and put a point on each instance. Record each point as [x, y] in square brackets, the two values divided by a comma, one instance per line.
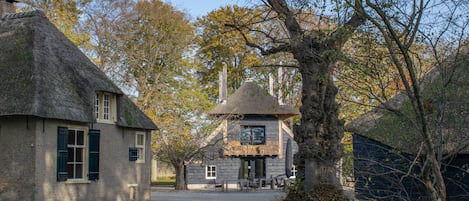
[198, 8]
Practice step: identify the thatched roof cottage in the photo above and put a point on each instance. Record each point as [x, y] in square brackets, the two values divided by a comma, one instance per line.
[67, 132]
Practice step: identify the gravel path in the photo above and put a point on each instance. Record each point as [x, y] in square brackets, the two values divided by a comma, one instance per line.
[171, 195]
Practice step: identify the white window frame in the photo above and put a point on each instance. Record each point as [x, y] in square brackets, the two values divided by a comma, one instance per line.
[294, 171]
[251, 135]
[84, 153]
[140, 147]
[96, 105]
[106, 107]
[210, 172]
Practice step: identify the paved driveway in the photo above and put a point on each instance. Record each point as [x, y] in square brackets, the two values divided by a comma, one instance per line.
[167, 195]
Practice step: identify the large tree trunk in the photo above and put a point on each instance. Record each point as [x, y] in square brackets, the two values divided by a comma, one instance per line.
[320, 133]
[180, 180]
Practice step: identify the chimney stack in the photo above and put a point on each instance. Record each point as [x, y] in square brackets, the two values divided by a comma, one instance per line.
[271, 84]
[280, 83]
[7, 7]
[222, 88]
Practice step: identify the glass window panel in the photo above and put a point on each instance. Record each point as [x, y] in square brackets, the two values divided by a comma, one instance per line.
[258, 130]
[260, 168]
[80, 137]
[140, 153]
[140, 140]
[211, 171]
[106, 107]
[244, 169]
[70, 171]
[79, 155]
[96, 106]
[79, 171]
[253, 135]
[71, 154]
[71, 137]
[246, 135]
[258, 135]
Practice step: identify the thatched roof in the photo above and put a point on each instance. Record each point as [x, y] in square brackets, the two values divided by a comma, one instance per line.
[44, 74]
[250, 98]
[384, 126]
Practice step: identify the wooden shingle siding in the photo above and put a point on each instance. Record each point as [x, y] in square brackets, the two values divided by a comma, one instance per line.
[227, 169]
[271, 147]
[274, 167]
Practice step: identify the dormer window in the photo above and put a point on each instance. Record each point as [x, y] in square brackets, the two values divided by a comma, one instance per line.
[105, 107]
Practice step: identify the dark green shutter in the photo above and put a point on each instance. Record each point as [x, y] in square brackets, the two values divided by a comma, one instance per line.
[133, 154]
[62, 154]
[93, 167]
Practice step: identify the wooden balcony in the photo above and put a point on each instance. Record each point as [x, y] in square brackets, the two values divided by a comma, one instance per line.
[234, 148]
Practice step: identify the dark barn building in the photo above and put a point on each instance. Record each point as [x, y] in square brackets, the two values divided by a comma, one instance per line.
[385, 147]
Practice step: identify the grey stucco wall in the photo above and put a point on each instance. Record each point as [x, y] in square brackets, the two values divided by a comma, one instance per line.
[17, 141]
[116, 172]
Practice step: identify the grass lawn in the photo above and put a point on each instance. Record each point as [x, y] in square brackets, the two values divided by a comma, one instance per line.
[164, 181]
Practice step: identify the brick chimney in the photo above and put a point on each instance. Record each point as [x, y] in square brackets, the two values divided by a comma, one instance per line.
[7, 6]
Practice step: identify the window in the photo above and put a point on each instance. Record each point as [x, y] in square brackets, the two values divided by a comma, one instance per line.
[293, 171]
[73, 145]
[140, 146]
[253, 135]
[96, 106]
[105, 107]
[76, 153]
[211, 172]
